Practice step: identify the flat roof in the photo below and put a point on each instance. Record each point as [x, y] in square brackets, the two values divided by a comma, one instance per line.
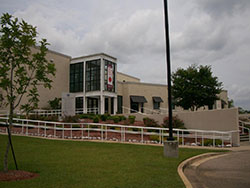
[93, 55]
[129, 75]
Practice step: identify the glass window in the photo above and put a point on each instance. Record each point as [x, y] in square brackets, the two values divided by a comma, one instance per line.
[156, 105]
[120, 104]
[93, 69]
[76, 77]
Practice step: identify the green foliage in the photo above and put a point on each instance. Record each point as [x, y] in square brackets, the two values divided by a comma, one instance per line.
[104, 117]
[195, 87]
[209, 142]
[131, 119]
[177, 123]
[71, 119]
[148, 122]
[21, 71]
[96, 119]
[55, 103]
[116, 119]
[122, 118]
[154, 138]
[230, 103]
[43, 118]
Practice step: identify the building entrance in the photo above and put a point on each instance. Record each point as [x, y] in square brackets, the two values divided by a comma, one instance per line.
[92, 105]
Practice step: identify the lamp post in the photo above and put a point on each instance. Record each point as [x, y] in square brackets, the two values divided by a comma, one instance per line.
[170, 138]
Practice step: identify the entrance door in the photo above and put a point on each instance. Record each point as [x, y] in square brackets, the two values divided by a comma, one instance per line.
[92, 104]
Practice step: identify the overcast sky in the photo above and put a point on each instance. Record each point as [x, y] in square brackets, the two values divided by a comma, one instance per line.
[203, 32]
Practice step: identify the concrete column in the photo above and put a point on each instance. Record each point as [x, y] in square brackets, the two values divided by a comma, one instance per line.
[115, 105]
[102, 104]
[85, 105]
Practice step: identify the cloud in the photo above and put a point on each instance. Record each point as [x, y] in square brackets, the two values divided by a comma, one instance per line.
[207, 32]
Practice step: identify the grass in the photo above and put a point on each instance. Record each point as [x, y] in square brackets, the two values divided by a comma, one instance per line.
[92, 164]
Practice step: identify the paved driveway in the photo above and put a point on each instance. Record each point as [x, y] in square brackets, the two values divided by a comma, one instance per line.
[229, 171]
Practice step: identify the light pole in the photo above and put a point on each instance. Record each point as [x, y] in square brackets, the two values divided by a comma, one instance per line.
[170, 115]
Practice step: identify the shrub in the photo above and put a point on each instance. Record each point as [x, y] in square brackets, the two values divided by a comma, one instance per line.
[131, 119]
[148, 122]
[96, 119]
[116, 119]
[209, 142]
[177, 123]
[104, 117]
[154, 138]
[122, 118]
[71, 119]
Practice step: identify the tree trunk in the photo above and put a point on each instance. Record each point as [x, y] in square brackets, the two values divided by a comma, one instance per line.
[10, 121]
[5, 161]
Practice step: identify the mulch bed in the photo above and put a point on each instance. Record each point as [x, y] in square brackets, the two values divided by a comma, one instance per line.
[15, 175]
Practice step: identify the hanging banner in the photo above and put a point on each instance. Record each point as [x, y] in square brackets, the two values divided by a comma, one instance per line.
[110, 76]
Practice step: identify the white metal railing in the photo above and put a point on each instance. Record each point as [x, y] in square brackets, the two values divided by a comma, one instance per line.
[122, 133]
[244, 129]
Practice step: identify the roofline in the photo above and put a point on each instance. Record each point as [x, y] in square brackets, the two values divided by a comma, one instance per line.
[92, 55]
[142, 83]
[128, 75]
[52, 51]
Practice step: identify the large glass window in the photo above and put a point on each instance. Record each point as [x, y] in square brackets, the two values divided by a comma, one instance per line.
[119, 104]
[109, 76]
[76, 77]
[93, 75]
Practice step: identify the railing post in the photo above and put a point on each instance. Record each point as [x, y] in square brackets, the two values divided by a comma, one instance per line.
[38, 128]
[22, 126]
[159, 136]
[27, 129]
[124, 132]
[45, 130]
[141, 135]
[71, 131]
[102, 132]
[82, 130]
[54, 130]
[106, 134]
[88, 131]
[63, 131]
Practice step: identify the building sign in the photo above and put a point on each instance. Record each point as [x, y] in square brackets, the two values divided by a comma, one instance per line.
[110, 76]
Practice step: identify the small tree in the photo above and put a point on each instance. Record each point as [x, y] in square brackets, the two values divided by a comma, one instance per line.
[195, 87]
[21, 71]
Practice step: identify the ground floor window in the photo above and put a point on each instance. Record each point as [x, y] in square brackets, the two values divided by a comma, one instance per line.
[79, 104]
[156, 105]
[119, 104]
[92, 105]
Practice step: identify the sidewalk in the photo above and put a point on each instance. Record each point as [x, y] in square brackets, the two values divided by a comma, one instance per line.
[228, 170]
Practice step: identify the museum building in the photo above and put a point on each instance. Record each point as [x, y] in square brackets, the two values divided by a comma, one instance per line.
[93, 85]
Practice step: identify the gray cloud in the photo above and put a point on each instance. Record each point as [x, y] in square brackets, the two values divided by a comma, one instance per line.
[211, 32]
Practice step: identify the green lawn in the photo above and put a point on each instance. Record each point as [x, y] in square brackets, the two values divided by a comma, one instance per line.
[91, 164]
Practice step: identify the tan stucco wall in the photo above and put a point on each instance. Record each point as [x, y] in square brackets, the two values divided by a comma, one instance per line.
[121, 77]
[60, 81]
[126, 89]
[216, 120]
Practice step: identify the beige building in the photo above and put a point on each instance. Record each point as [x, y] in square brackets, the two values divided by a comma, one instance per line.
[99, 88]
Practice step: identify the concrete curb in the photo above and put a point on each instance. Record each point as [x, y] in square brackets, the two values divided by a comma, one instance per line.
[195, 162]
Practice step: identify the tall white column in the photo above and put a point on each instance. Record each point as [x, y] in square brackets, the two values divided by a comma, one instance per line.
[102, 104]
[85, 105]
